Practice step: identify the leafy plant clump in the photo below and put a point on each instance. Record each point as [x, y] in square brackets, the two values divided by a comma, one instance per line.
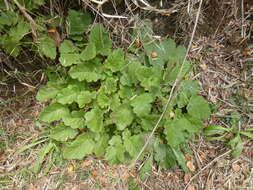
[106, 102]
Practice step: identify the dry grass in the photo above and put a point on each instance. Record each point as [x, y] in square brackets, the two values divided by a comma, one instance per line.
[223, 65]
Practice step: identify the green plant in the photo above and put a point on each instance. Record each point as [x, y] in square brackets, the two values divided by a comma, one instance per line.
[106, 102]
[232, 136]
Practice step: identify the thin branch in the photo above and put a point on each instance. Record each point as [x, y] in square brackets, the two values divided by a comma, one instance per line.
[28, 18]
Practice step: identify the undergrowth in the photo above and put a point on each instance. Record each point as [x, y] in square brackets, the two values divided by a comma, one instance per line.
[105, 101]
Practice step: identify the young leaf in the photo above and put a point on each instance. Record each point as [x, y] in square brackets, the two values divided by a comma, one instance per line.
[142, 104]
[75, 120]
[80, 147]
[115, 60]
[62, 133]
[101, 39]
[78, 21]
[54, 112]
[94, 120]
[122, 116]
[198, 107]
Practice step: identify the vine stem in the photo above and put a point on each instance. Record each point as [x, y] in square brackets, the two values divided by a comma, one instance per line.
[171, 92]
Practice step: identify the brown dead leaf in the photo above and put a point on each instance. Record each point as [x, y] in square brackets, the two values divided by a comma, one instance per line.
[188, 157]
[176, 178]
[87, 163]
[191, 187]
[94, 173]
[187, 177]
[191, 166]
[126, 175]
[204, 67]
[32, 187]
[104, 180]
[203, 156]
[236, 167]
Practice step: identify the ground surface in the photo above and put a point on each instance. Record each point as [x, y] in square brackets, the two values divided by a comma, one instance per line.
[222, 52]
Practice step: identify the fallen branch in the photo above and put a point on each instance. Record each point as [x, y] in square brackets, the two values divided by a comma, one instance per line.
[28, 18]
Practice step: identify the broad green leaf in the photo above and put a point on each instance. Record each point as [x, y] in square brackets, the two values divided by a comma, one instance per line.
[46, 93]
[18, 32]
[68, 95]
[122, 116]
[165, 50]
[8, 18]
[129, 76]
[101, 144]
[134, 144]
[84, 97]
[176, 131]
[148, 122]
[142, 104]
[54, 112]
[75, 120]
[89, 52]
[149, 76]
[198, 108]
[67, 46]
[101, 39]
[68, 59]
[115, 61]
[94, 120]
[146, 168]
[82, 146]
[188, 88]
[11, 47]
[115, 153]
[110, 85]
[86, 71]
[78, 22]
[164, 156]
[62, 133]
[47, 47]
[173, 73]
[103, 99]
